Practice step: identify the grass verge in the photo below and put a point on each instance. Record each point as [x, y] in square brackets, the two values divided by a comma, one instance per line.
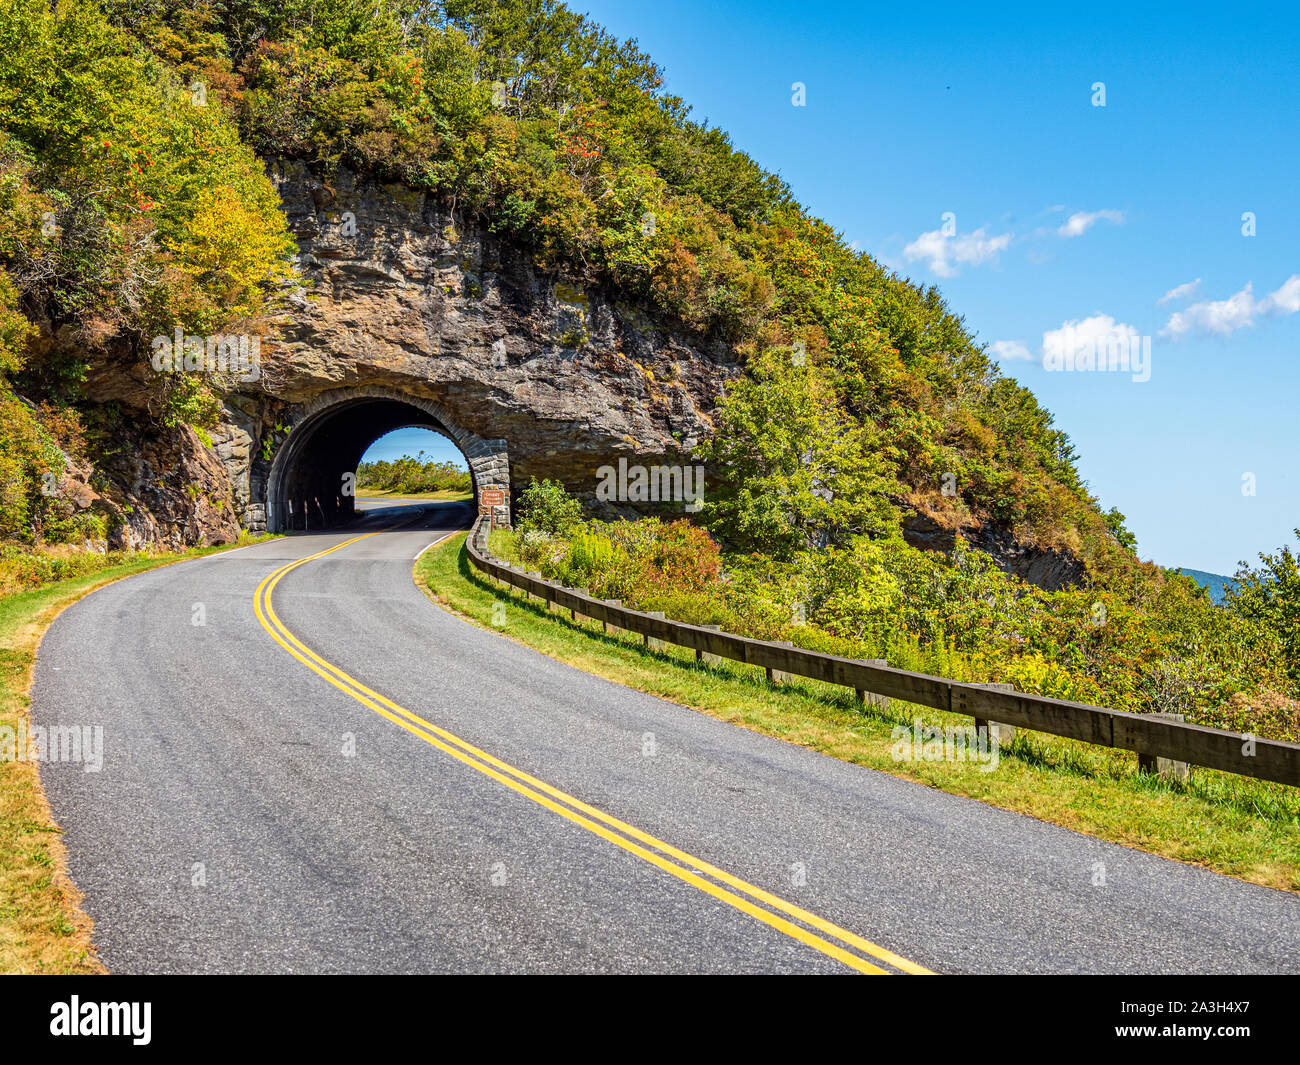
[453, 494]
[42, 926]
[1244, 828]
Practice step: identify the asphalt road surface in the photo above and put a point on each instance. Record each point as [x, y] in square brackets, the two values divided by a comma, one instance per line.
[339, 776]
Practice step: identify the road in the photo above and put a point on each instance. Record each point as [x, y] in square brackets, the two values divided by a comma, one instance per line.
[346, 778]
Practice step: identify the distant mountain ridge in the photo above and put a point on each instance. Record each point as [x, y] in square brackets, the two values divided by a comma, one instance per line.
[1216, 583]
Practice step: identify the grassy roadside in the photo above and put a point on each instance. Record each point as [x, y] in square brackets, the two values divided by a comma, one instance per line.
[42, 927]
[1244, 828]
[452, 494]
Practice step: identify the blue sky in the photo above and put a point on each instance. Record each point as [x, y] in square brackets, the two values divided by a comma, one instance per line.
[436, 447]
[917, 110]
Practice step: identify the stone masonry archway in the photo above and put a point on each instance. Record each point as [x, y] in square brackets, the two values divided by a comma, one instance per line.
[306, 486]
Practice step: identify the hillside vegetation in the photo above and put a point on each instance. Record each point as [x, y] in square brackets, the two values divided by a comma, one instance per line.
[412, 476]
[133, 200]
[525, 118]
[954, 615]
[125, 212]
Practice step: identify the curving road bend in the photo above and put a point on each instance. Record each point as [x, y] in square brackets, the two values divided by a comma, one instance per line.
[369, 784]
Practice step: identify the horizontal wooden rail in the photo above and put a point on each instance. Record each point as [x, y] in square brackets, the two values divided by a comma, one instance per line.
[1231, 752]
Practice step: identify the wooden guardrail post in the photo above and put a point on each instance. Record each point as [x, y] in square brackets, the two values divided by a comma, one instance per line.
[651, 642]
[780, 676]
[866, 698]
[529, 594]
[997, 730]
[610, 628]
[706, 657]
[573, 614]
[1166, 767]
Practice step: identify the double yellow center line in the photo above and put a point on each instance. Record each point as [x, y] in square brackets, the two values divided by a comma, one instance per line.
[777, 913]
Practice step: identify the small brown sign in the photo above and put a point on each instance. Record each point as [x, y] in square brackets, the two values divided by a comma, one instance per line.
[491, 497]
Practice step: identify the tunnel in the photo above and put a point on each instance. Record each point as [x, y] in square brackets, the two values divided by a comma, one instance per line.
[309, 483]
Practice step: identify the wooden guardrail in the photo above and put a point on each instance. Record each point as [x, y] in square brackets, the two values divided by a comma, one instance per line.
[1148, 735]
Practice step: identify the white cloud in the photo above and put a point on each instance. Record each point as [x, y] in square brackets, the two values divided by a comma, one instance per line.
[1082, 221]
[1286, 300]
[1181, 292]
[943, 252]
[1061, 345]
[1095, 344]
[1214, 316]
[1005, 350]
[1238, 311]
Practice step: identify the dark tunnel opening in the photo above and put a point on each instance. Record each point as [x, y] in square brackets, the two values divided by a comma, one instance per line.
[310, 484]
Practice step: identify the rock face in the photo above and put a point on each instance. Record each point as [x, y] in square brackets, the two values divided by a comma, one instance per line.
[163, 488]
[540, 379]
[407, 316]
[149, 471]
[1049, 569]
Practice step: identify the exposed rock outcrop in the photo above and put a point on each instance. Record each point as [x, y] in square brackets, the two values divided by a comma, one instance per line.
[171, 490]
[399, 293]
[533, 377]
[1049, 569]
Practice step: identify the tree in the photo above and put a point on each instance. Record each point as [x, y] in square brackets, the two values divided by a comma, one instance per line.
[796, 471]
[1270, 596]
[1115, 525]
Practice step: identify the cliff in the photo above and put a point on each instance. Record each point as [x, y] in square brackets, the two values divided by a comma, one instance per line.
[424, 321]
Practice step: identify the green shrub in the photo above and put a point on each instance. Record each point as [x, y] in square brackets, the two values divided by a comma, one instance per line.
[538, 549]
[546, 507]
[1268, 596]
[22, 570]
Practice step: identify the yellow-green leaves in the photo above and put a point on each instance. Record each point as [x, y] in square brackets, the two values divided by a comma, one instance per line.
[159, 214]
[232, 247]
[15, 329]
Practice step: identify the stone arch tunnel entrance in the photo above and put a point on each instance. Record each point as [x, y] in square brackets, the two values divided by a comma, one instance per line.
[307, 484]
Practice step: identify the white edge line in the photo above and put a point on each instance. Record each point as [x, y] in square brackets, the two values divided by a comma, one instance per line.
[435, 543]
[223, 552]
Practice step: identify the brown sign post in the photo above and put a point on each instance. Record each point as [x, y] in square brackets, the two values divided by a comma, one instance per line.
[488, 499]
